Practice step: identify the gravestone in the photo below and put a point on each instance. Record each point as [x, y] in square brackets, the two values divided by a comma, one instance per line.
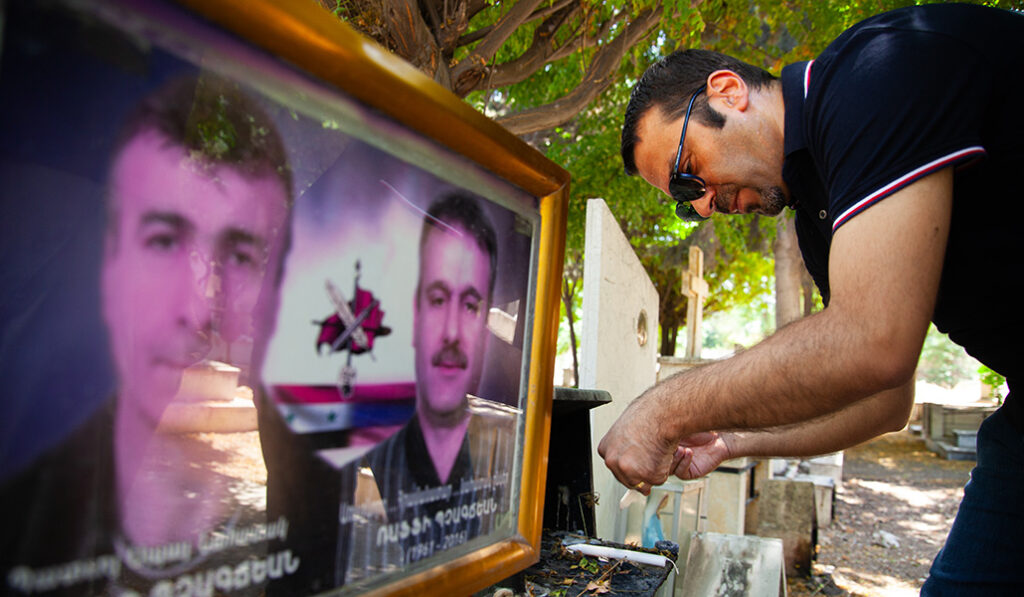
[619, 343]
[787, 512]
[941, 422]
[696, 290]
[824, 497]
[730, 491]
[730, 565]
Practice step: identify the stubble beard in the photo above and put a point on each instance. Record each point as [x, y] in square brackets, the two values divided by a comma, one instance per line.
[773, 201]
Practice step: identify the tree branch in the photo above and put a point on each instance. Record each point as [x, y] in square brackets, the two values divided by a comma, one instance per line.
[542, 52]
[540, 13]
[470, 70]
[599, 75]
[409, 36]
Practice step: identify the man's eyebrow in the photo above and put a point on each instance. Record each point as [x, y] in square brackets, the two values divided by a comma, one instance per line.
[438, 285]
[238, 236]
[167, 218]
[471, 292]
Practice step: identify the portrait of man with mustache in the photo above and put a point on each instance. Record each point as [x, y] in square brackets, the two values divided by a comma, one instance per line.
[441, 479]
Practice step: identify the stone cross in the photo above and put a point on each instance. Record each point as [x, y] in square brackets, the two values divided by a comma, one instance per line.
[695, 287]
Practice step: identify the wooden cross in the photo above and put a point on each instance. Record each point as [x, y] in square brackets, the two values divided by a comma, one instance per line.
[695, 287]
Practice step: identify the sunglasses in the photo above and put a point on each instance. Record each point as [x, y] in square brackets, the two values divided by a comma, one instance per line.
[683, 186]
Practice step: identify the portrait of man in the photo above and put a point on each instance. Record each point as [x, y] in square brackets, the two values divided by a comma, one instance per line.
[198, 197]
[198, 203]
[442, 478]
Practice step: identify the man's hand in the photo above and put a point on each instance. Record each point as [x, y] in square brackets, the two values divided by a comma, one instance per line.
[699, 454]
[634, 449]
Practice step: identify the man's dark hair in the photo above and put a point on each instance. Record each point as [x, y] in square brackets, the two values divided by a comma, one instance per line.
[670, 82]
[217, 124]
[463, 210]
[213, 120]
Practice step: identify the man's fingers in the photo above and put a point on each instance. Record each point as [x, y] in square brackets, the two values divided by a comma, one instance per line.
[676, 459]
[682, 469]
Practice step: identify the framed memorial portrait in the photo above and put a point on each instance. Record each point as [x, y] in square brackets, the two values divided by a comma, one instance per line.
[279, 312]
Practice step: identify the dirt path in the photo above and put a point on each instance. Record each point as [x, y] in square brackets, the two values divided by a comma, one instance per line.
[892, 484]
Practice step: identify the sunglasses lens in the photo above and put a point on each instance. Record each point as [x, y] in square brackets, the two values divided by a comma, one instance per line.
[685, 189]
[686, 213]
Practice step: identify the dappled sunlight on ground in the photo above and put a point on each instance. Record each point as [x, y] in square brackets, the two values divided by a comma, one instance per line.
[864, 583]
[891, 484]
[923, 498]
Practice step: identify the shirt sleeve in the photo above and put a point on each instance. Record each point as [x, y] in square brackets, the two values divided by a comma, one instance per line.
[890, 108]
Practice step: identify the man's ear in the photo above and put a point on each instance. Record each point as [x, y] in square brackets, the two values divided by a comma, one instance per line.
[729, 89]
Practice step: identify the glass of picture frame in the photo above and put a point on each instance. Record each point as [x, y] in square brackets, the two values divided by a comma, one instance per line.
[279, 314]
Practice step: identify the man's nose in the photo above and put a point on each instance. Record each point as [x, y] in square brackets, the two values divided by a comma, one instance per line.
[205, 293]
[705, 206]
[451, 322]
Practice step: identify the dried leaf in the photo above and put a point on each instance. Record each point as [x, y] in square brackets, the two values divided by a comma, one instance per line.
[598, 587]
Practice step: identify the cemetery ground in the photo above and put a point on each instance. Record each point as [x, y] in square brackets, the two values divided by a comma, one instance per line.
[892, 484]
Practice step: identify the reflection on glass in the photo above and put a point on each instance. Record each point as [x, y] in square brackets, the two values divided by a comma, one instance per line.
[442, 479]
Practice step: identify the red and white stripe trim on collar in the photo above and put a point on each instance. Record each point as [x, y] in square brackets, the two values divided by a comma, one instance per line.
[807, 77]
[905, 180]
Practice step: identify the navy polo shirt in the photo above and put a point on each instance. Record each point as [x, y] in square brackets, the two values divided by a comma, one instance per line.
[895, 98]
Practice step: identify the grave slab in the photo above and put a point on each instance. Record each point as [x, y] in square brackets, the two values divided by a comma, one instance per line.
[720, 564]
[618, 344]
[824, 497]
[786, 511]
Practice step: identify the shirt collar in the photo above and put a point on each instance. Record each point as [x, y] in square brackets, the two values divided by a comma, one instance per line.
[795, 82]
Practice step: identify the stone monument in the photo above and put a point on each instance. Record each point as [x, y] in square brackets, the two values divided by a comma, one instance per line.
[619, 343]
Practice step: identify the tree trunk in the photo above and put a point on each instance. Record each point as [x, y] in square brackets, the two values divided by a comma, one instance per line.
[572, 279]
[669, 334]
[568, 294]
[807, 286]
[789, 266]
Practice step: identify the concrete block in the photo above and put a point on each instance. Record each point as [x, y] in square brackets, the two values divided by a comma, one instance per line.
[824, 497]
[829, 465]
[948, 451]
[745, 566]
[966, 438]
[727, 501]
[208, 380]
[786, 511]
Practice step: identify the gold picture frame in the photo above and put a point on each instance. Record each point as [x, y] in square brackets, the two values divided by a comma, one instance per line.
[310, 38]
[322, 90]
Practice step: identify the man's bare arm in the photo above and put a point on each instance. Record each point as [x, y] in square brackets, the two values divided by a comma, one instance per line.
[868, 418]
[882, 413]
[885, 267]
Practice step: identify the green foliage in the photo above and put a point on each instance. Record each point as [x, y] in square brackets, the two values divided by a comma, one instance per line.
[766, 33]
[591, 566]
[770, 34]
[992, 380]
[942, 362]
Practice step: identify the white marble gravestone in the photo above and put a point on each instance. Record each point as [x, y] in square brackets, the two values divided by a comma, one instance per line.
[619, 342]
